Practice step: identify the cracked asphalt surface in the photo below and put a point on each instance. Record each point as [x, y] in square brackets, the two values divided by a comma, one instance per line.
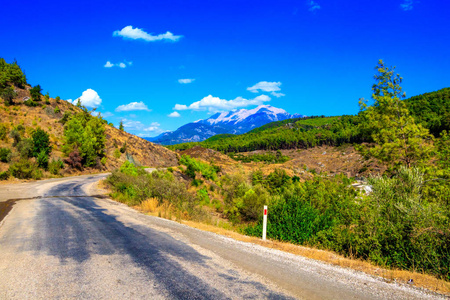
[63, 240]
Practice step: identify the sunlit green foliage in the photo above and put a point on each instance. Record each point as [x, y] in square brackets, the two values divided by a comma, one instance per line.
[87, 134]
[193, 165]
[11, 74]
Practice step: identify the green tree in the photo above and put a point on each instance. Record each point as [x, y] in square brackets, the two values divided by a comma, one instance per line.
[87, 134]
[8, 95]
[35, 93]
[121, 126]
[398, 139]
[41, 142]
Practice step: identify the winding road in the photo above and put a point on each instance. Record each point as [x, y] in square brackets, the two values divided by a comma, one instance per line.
[63, 239]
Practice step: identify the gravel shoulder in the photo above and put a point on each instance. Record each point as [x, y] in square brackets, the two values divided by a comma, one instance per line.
[70, 243]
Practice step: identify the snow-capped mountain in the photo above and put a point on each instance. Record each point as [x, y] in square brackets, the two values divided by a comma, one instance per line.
[235, 122]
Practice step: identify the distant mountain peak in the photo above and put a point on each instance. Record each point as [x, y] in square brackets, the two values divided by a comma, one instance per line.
[236, 121]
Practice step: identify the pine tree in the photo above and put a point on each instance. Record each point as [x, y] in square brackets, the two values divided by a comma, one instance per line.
[398, 139]
[121, 126]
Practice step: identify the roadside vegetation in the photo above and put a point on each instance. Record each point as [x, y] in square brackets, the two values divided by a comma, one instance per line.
[403, 223]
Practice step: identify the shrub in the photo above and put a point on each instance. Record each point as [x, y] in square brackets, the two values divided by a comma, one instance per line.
[57, 99]
[55, 166]
[30, 103]
[57, 110]
[8, 95]
[23, 169]
[16, 136]
[35, 93]
[116, 153]
[123, 148]
[74, 160]
[103, 160]
[25, 148]
[65, 117]
[193, 165]
[42, 159]
[4, 175]
[41, 142]
[5, 155]
[4, 130]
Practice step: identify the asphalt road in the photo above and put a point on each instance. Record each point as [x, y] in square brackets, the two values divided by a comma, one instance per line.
[62, 240]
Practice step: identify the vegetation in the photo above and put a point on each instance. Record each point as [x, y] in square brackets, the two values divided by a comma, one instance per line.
[84, 134]
[193, 165]
[11, 74]
[267, 157]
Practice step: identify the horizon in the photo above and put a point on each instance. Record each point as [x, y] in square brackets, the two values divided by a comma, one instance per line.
[158, 66]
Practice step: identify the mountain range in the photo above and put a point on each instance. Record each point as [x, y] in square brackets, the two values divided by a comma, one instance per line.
[232, 122]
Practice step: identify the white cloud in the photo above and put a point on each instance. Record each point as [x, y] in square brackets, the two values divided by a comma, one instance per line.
[153, 127]
[313, 6]
[407, 5]
[132, 106]
[108, 64]
[278, 95]
[120, 65]
[128, 32]
[265, 86]
[88, 98]
[216, 104]
[185, 81]
[175, 114]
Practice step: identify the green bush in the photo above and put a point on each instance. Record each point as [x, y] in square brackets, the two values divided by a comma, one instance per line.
[41, 142]
[30, 103]
[5, 155]
[57, 110]
[4, 130]
[193, 165]
[42, 160]
[8, 94]
[116, 153]
[103, 160]
[57, 99]
[35, 93]
[24, 169]
[4, 175]
[55, 166]
[25, 148]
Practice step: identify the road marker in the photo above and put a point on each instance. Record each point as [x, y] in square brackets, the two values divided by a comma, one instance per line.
[264, 223]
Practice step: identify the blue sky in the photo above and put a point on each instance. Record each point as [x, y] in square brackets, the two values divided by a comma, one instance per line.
[160, 64]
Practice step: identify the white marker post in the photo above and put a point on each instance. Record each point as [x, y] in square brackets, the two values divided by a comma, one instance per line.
[264, 223]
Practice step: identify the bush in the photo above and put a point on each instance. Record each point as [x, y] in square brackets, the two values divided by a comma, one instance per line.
[16, 136]
[116, 153]
[74, 160]
[57, 110]
[8, 95]
[35, 93]
[4, 130]
[4, 175]
[193, 165]
[24, 169]
[123, 148]
[30, 103]
[103, 160]
[41, 142]
[42, 160]
[65, 117]
[25, 148]
[5, 155]
[55, 166]
[57, 99]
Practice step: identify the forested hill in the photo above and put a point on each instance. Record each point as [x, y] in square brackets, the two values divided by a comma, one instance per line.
[432, 110]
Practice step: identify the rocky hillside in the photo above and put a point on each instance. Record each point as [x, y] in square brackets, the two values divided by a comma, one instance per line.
[49, 114]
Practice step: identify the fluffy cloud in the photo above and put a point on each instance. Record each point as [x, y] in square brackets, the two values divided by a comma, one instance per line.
[120, 65]
[139, 126]
[216, 104]
[132, 106]
[278, 95]
[128, 32]
[185, 81]
[88, 98]
[313, 6]
[265, 86]
[407, 5]
[175, 114]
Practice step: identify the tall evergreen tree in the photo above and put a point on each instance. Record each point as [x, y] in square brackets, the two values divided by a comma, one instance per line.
[398, 139]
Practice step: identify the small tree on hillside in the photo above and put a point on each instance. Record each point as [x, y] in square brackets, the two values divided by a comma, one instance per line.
[398, 139]
[36, 93]
[121, 126]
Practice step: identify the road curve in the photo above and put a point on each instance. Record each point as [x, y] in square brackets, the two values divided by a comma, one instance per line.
[62, 240]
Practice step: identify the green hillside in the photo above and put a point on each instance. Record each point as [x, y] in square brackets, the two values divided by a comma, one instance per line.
[432, 110]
